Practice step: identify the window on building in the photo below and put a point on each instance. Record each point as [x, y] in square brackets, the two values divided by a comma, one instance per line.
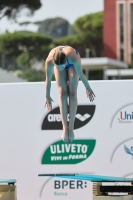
[121, 19]
[131, 24]
[121, 54]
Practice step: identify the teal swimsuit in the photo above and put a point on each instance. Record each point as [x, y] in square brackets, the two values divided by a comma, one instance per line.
[68, 64]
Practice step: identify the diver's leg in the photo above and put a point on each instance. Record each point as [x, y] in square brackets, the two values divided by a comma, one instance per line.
[61, 80]
[73, 84]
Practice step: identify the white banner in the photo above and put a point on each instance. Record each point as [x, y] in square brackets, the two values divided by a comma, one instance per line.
[30, 138]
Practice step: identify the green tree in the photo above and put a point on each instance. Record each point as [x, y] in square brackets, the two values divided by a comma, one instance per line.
[33, 75]
[54, 27]
[11, 8]
[71, 30]
[90, 27]
[88, 35]
[76, 41]
[25, 47]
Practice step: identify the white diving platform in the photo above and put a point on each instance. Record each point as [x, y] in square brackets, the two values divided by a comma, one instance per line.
[101, 191]
[88, 177]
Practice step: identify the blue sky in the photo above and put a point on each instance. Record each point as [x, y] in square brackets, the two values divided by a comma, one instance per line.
[70, 10]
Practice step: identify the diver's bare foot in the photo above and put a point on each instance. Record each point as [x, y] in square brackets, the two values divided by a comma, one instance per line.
[71, 135]
[65, 136]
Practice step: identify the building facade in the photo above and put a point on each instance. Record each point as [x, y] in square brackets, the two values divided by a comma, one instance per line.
[118, 29]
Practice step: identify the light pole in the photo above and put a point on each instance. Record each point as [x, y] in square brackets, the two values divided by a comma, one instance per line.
[87, 51]
[3, 61]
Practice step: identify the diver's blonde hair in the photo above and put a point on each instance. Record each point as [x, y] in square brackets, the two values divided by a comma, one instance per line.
[59, 57]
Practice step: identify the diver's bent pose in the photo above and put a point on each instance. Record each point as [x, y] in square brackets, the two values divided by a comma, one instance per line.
[67, 68]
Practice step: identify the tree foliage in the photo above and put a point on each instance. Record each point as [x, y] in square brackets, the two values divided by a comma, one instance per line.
[90, 22]
[54, 27]
[25, 47]
[90, 27]
[11, 8]
[76, 41]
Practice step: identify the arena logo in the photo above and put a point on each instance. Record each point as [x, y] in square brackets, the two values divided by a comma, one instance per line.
[52, 120]
[124, 115]
[61, 153]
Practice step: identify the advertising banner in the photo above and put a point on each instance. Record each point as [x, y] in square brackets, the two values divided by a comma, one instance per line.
[31, 144]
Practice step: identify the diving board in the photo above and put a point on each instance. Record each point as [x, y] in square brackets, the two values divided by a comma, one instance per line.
[98, 188]
[90, 177]
[8, 181]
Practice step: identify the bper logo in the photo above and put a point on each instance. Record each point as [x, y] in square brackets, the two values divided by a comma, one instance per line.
[52, 120]
[61, 187]
[71, 184]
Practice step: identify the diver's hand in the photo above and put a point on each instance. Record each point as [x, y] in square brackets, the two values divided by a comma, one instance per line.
[90, 94]
[48, 103]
